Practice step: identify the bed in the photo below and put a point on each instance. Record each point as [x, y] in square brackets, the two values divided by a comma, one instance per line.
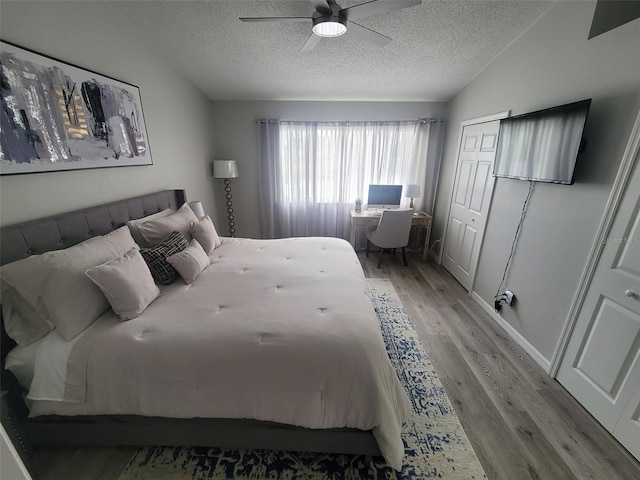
[275, 345]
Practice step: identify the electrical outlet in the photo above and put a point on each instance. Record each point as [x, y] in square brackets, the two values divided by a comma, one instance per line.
[509, 296]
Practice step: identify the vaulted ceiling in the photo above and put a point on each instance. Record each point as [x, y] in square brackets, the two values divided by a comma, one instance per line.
[437, 47]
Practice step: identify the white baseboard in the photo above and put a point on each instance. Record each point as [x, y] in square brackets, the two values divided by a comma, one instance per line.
[513, 333]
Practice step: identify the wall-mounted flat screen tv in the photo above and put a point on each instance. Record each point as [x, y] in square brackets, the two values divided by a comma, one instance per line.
[542, 146]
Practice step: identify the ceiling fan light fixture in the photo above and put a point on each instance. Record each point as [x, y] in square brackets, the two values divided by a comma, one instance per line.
[331, 26]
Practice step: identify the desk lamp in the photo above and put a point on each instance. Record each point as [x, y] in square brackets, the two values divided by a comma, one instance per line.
[412, 191]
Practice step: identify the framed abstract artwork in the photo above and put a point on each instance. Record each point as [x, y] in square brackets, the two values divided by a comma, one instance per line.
[56, 116]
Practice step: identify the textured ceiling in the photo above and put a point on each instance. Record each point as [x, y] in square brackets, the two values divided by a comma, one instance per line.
[437, 48]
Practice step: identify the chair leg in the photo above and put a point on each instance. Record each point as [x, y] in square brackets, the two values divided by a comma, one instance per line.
[366, 249]
[380, 259]
[404, 256]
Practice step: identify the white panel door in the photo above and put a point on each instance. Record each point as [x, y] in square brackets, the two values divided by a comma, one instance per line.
[627, 430]
[601, 365]
[472, 192]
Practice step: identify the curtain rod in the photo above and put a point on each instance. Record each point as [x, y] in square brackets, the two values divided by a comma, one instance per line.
[421, 120]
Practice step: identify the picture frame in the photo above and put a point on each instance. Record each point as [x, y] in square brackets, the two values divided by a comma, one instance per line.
[56, 116]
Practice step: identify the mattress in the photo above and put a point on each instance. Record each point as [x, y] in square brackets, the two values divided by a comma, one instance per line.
[274, 330]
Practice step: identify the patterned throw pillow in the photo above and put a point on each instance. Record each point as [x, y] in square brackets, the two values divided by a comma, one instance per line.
[156, 257]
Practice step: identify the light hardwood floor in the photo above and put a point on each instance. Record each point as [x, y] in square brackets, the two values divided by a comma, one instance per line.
[522, 424]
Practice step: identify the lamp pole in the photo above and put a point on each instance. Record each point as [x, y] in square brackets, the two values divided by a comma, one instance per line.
[227, 169]
[229, 203]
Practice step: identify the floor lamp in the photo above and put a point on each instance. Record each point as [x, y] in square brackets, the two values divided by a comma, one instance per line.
[227, 169]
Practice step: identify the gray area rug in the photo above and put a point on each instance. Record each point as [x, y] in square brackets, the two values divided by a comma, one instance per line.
[435, 443]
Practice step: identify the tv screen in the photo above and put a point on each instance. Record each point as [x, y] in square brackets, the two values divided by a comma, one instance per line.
[384, 196]
[542, 146]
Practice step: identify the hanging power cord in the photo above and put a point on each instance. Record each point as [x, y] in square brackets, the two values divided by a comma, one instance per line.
[508, 295]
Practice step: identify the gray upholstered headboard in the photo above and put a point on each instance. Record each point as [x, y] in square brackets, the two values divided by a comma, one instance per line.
[67, 229]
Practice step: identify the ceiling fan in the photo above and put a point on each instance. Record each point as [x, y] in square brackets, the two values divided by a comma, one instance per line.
[331, 20]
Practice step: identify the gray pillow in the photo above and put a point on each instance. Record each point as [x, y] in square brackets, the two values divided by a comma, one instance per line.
[135, 224]
[205, 233]
[190, 262]
[127, 283]
[155, 231]
[21, 322]
[56, 287]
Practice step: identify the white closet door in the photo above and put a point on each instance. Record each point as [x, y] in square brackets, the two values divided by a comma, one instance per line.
[472, 191]
[601, 365]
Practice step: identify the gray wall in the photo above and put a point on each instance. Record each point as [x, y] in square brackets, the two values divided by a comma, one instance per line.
[551, 64]
[94, 35]
[237, 138]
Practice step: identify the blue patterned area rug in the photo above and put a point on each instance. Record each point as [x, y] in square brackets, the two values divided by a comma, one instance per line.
[435, 443]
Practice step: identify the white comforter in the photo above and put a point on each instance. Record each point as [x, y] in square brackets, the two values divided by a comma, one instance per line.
[276, 330]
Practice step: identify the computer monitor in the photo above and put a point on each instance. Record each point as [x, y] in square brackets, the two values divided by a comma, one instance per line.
[384, 196]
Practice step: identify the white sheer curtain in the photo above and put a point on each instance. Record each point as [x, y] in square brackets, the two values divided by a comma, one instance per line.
[312, 172]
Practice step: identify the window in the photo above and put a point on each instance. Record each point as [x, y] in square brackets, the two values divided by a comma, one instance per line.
[334, 162]
[310, 173]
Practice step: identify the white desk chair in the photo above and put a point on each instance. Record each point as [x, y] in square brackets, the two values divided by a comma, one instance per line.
[392, 232]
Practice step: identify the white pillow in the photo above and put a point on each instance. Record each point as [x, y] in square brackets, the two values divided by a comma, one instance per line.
[154, 231]
[205, 233]
[20, 361]
[21, 322]
[55, 286]
[190, 261]
[134, 224]
[21, 329]
[127, 283]
[27, 277]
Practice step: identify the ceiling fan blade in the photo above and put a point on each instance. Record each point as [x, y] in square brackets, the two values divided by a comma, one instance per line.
[311, 42]
[375, 7]
[275, 19]
[321, 5]
[367, 34]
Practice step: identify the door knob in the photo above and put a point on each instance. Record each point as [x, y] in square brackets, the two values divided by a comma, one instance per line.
[629, 293]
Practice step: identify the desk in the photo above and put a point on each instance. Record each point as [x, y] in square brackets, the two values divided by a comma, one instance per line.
[369, 218]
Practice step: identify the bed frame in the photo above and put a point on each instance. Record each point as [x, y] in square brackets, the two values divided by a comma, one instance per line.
[62, 231]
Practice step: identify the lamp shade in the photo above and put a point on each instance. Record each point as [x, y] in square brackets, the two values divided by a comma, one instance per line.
[197, 208]
[411, 190]
[225, 169]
